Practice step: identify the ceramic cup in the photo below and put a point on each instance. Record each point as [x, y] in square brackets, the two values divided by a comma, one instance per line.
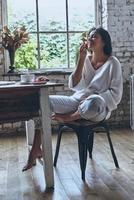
[27, 78]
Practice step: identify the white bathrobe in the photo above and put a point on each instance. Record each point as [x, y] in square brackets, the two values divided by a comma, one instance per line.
[105, 81]
[96, 95]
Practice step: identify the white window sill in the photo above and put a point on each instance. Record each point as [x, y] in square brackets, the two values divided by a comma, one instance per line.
[43, 72]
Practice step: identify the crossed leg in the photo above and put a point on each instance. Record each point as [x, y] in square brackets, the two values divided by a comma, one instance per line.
[87, 109]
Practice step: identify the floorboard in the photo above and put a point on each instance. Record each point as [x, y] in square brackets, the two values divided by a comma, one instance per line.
[103, 180]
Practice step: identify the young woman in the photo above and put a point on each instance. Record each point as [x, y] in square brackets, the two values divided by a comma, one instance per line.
[97, 85]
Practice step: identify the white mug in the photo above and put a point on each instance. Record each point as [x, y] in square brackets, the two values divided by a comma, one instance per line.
[27, 78]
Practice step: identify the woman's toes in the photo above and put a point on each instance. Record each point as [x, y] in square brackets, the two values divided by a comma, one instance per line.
[30, 163]
[28, 166]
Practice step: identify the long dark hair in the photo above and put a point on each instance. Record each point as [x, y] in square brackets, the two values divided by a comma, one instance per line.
[105, 38]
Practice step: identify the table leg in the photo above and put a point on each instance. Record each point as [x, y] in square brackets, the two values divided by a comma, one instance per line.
[46, 137]
[29, 131]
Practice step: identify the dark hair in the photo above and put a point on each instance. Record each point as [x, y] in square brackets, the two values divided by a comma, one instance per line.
[105, 38]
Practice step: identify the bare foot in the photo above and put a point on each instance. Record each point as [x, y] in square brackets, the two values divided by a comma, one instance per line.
[32, 159]
[66, 117]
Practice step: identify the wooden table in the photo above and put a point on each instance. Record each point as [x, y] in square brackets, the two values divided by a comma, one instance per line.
[24, 102]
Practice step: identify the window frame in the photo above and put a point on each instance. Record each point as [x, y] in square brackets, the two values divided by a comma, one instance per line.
[98, 22]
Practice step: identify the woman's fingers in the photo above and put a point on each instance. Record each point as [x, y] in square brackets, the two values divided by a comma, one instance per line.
[83, 47]
[83, 50]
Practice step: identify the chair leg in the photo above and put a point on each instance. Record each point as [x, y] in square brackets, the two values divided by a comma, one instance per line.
[58, 146]
[90, 143]
[82, 146]
[112, 149]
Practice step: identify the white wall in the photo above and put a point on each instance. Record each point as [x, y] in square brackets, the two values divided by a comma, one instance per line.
[119, 20]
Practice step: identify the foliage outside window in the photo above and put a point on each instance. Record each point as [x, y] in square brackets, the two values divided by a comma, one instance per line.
[55, 29]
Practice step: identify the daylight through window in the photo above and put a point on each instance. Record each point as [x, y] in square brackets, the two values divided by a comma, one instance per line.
[55, 29]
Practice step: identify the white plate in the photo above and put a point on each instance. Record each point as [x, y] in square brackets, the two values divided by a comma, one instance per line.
[33, 83]
[39, 83]
[25, 83]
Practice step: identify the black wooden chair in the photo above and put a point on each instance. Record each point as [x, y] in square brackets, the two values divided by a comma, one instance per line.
[85, 133]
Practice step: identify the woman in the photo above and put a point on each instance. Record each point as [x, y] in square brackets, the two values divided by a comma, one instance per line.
[97, 85]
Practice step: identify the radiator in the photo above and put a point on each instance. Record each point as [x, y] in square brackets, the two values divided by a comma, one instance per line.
[132, 102]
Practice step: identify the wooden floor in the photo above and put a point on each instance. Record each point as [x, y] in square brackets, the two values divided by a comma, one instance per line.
[103, 181]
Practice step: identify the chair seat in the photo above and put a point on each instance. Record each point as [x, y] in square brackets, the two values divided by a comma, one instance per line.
[82, 122]
[84, 130]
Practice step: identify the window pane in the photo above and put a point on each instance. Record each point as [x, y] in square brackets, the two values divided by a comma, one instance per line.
[52, 15]
[74, 45]
[22, 13]
[26, 55]
[81, 14]
[53, 50]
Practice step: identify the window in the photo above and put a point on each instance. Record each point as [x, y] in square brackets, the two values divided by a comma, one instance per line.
[55, 29]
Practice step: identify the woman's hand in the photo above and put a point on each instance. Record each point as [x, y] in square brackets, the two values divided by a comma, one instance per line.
[77, 74]
[83, 50]
[41, 79]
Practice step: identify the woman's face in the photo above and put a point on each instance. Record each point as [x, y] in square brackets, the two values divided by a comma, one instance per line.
[95, 41]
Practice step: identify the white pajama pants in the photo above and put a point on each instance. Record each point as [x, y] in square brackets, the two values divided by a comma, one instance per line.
[92, 108]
